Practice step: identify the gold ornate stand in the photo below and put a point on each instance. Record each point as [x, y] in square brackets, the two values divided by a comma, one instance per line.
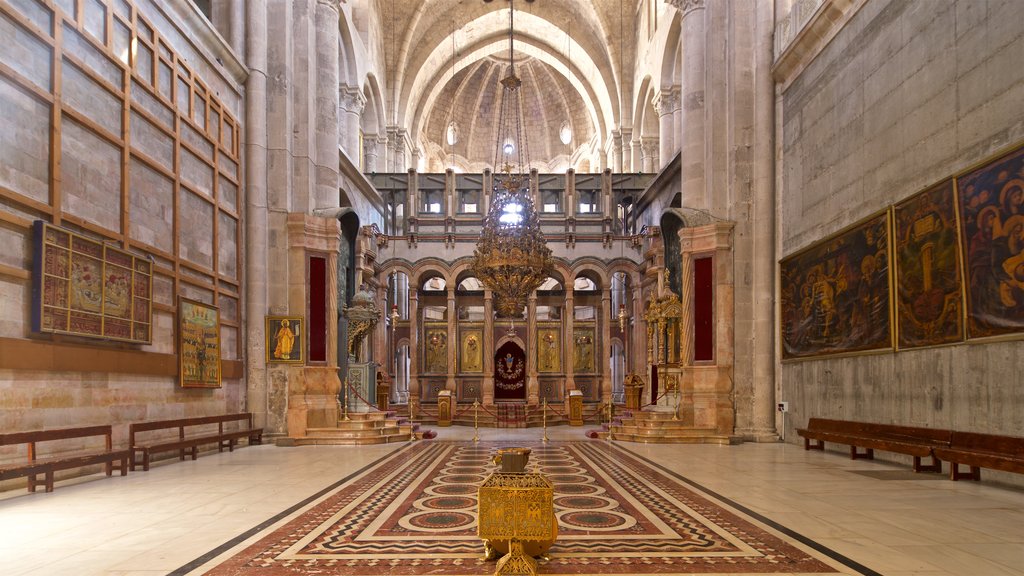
[516, 510]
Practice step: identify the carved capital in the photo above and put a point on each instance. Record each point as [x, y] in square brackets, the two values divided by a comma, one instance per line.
[687, 6]
[333, 5]
[666, 101]
[351, 99]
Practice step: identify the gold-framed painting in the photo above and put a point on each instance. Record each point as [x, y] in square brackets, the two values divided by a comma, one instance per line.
[198, 344]
[836, 293]
[435, 349]
[584, 343]
[285, 342]
[471, 351]
[929, 291]
[991, 202]
[549, 350]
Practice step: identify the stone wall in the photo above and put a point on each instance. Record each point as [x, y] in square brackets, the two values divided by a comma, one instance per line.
[144, 155]
[905, 95]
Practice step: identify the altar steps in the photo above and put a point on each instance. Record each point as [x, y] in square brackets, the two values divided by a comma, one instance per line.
[650, 427]
[363, 428]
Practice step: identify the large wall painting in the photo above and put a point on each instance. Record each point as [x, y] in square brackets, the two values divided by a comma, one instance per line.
[87, 288]
[471, 352]
[835, 294]
[549, 350]
[198, 344]
[583, 350]
[435, 349]
[992, 213]
[927, 257]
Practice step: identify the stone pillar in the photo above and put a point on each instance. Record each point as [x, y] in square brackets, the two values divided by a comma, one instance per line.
[666, 104]
[453, 341]
[568, 339]
[532, 385]
[256, 215]
[326, 106]
[369, 153]
[636, 155]
[351, 103]
[397, 159]
[236, 22]
[615, 151]
[624, 151]
[414, 349]
[488, 344]
[650, 147]
[637, 332]
[606, 344]
[693, 86]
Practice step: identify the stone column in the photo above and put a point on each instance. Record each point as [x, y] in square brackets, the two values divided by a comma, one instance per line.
[568, 342]
[488, 347]
[532, 385]
[627, 164]
[606, 344]
[326, 109]
[414, 349]
[256, 215]
[351, 103]
[397, 160]
[369, 153]
[636, 155]
[615, 151]
[236, 22]
[666, 103]
[453, 342]
[693, 86]
[637, 332]
[649, 147]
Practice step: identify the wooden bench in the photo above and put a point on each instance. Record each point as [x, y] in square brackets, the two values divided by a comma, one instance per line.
[189, 440]
[979, 451]
[46, 466]
[916, 442]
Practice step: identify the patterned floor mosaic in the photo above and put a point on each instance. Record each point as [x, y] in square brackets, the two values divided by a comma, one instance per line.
[414, 512]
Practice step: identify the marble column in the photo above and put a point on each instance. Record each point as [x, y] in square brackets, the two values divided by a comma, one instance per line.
[666, 103]
[488, 344]
[453, 341]
[605, 354]
[532, 384]
[568, 340]
[236, 22]
[414, 350]
[256, 215]
[351, 103]
[326, 108]
[693, 88]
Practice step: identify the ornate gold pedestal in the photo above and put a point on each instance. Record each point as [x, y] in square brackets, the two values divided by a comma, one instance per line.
[444, 408]
[575, 408]
[517, 511]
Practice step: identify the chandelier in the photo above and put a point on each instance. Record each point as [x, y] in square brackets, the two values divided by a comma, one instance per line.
[511, 258]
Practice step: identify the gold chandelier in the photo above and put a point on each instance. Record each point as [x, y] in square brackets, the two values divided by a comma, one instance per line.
[511, 258]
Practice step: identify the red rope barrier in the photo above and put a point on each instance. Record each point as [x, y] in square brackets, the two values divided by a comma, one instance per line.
[360, 396]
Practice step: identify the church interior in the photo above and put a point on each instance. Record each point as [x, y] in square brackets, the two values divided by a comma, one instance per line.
[288, 285]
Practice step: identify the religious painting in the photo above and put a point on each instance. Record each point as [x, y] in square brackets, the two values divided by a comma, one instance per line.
[435, 349]
[583, 350]
[471, 351]
[835, 294]
[549, 350]
[927, 259]
[84, 287]
[284, 339]
[992, 222]
[198, 344]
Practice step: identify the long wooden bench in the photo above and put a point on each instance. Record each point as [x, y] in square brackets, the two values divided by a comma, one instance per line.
[916, 442]
[979, 451]
[191, 436]
[46, 466]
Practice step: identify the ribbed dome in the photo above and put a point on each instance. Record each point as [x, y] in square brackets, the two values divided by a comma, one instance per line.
[553, 110]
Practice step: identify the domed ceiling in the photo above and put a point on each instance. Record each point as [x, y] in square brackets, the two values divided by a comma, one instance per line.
[556, 120]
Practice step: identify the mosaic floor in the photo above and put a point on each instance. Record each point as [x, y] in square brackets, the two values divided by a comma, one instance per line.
[414, 512]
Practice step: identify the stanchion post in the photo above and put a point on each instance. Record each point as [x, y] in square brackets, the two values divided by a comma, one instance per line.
[476, 420]
[675, 415]
[346, 400]
[412, 424]
[545, 421]
[611, 419]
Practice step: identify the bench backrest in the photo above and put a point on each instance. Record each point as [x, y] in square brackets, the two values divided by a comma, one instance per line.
[136, 427]
[988, 442]
[891, 431]
[13, 438]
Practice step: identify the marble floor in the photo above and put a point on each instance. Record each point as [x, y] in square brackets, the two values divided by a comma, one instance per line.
[171, 519]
